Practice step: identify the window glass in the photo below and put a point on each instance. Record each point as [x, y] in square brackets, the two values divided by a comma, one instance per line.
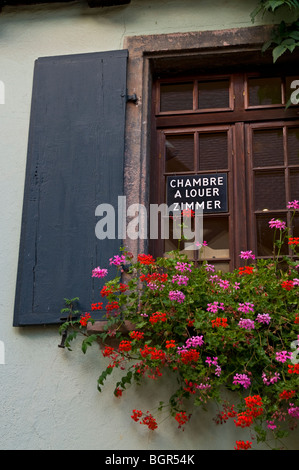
[294, 185]
[213, 94]
[268, 147]
[293, 146]
[269, 190]
[213, 151]
[176, 97]
[179, 153]
[264, 91]
[265, 235]
[216, 234]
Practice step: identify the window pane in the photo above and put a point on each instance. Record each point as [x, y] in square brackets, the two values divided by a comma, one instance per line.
[265, 235]
[293, 146]
[179, 153]
[264, 91]
[268, 147]
[223, 267]
[295, 227]
[176, 233]
[294, 185]
[213, 151]
[215, 233]
[176, 97]
[269, 190]
[213, 94]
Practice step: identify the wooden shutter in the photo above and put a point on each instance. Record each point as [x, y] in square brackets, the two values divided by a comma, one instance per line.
[75, 162]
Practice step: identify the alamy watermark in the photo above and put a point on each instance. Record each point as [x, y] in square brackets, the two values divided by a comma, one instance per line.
[138, 222]
[295, 94]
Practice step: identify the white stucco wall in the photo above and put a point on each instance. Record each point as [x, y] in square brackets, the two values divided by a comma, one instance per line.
[48, 396]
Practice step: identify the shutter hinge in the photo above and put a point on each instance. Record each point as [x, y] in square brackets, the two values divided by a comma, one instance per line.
[132, 98]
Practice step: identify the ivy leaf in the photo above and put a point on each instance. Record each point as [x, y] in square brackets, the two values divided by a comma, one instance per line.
[103, 377]
[88, 342]
[278, 51]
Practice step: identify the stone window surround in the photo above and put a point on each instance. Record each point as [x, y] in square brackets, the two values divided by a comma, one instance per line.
[142, 51]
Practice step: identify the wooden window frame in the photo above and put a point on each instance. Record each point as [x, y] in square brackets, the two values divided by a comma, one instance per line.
[241, 119]
[164, 55]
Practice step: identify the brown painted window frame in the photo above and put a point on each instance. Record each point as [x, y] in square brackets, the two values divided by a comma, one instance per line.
[239, 119]
[163, 55]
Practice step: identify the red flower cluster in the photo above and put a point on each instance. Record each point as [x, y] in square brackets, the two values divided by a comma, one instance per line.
[125, 346]
[190, 387]
[293, 369]
[170, 344]
[287, 394]
[241, 445]
[253, 410]
[97, 306]
[84, 319]
[219, 322]
[145, 259]
[181, 418]
[157, 316]
[136, 415]
[229, 412]
[288, 285]
[148, 420]
[152, 352]
[136, 335]
[108, 351]
[246, 270]
[190, 355]
[112, 306]
[294, 241]
[296, 321]
[188, 213]
[155, 373]
[106, 291]
[118, 392]
[123, 287]
[154, 277]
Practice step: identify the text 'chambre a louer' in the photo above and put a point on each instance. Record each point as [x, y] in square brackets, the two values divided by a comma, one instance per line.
[204, 192]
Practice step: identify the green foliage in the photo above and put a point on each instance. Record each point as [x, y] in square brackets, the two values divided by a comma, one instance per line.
[285, 37]
[211, 330]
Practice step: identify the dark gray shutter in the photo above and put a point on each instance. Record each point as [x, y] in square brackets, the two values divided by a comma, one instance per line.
[75, 162]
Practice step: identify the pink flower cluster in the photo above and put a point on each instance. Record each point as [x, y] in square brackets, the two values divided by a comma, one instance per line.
[263, 318]
[177, 296]
[293, 411]
[182, 267]
[247, 255]
[180, 280]
[191, 343]
[215, 306]
[276, 223]
[270, 380]
[214, 362]
[293, 205]
[242, 379]
[283, 356]
[194, 341]
[99, 272]
[246, 323]
[245, 308]
[117, 260]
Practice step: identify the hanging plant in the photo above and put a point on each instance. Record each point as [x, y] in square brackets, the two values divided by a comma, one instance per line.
[236, 331]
